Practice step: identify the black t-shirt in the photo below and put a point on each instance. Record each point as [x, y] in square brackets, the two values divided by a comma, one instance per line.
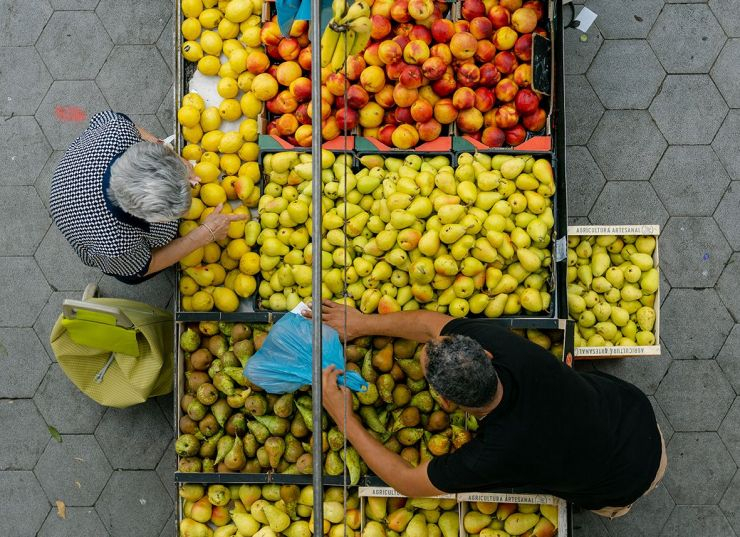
[589, 438]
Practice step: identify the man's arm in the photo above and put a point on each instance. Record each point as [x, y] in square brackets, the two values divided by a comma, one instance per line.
[420, 325]
[390, 467]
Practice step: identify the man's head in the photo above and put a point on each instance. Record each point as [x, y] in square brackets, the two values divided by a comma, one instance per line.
[150, 181]
[460, 370]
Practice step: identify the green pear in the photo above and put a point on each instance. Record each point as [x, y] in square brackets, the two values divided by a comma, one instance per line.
[510, 169]
[474, 522]
[518, 523]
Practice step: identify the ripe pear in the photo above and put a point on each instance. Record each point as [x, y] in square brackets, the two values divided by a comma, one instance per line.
[193, 528]
[201, 510]
[474, 521]
[646, 318]
[528, 259]
[449, 523]
[518, 523]
[399, 519]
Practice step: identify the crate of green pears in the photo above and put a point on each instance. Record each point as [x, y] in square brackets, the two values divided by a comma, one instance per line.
[613, 290]
[271, 510]
[511, 515]
[386, 513]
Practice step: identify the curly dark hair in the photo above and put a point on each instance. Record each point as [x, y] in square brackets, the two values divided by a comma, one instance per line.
[460, 370]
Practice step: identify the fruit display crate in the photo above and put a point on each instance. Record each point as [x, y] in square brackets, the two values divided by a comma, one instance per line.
[591, 352]
[508, 503]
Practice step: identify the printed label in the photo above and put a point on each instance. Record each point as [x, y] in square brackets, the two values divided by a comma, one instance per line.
[617, 351]
[614, 230]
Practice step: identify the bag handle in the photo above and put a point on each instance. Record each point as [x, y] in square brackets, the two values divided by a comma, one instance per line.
[71, 309]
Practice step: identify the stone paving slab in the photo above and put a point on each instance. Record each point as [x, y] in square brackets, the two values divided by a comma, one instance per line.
[585, 180]
[725, 144]
[73, 5]
[155, 291]
[23, 361]
[43, 180]
[730, 501]
[27, 293]
[645, 372]
[729, 358]
[666, 429]
[77, 522]
[628, 202]
[728, 284]
[626, 20]
[579, 53]
[584, 115]
[132, 22]
[49, 316]
[726, 215]
[696, 521]
[23, 219]
[729, 431]
[22, 22]
[22, 425]
[60, 264]
[728, 15]
[726, 74]
[24, 147]
[24, 80]
[646, 518]
[24, 504]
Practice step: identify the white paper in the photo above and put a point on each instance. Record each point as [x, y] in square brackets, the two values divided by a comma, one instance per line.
[585, 18]
[300, 308]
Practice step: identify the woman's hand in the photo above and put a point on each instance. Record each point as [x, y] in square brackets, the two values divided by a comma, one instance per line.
[217, 223]
[336, 398]
[333, 314]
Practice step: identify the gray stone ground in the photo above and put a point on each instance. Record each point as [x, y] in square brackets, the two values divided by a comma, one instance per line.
[654, 123]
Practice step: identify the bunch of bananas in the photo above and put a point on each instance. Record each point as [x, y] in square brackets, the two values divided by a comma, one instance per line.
[347, 33]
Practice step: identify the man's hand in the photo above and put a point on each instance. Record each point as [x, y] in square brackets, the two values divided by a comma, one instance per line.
[333, 314]
[335, 398]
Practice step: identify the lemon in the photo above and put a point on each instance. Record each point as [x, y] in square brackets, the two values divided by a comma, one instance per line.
[256, 6]
[230, 164]
[212, 194]
[192, 8]
[230, 45]
[195, 190]
[230, 109]
[250, 105]
[209, 18]
[193, 258]
[186, 226]
[227, 72]
[238, 60]
[207, 172]
[188, 286]
[251, 36]
[227, 88]
[254, 19]
[196, 207]
[249, 263]
[192, 134]
[250, 170]
[202, 301]
[236, 229]
[249, 152]
[211, 140]
[188, 116]
[209, 3]
[209, 65]
[211, 42]
[248, 129]
[219, 273]
[245, 80]
[211, 253]
[227, 262]
[230, 277]
[211, 157]
[192, 152]
[194, 100]
[264, 86]
[238, 10]
[192, 51]
[225, 299]
[191, 29]
[231, 142]
[210, 119]
[245, 285]
[237, 248]
[227, 29]
[228, 184]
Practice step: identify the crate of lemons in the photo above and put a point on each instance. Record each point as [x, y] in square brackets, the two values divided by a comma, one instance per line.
[613, 285]
[265, 511]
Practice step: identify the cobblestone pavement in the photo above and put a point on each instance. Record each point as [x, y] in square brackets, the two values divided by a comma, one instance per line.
[654, 133]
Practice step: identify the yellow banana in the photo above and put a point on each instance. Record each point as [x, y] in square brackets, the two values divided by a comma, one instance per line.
[329, 42]
[359, 9]
[360, 42]
[361, 25]
[340, 53]
[338, 9]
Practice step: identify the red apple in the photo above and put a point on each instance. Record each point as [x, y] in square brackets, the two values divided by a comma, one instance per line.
[403, 96]
[506, 62]
[485, 51]
[515, 135]
[445, 112]
[337, 84]
[484, 99]
[389, 52]
[400, 11]
[354, 66]
[286, 124]
[433, 68]
[357, 96]
[339, 102]
[419, 32]
[463, 45]
[535, 121]
[429, 130]
[443, 30]
[385, 134]
[526, 101]
[499, 16]
[420, 9]
[304, 58]
[493, 137]
[536, 6]
[384, 97]
[347, 119]
[301, 89]
[371, 55]
[393, 70]
[411, 77]
[463, 98]
[506, 90]
[505, 38]
[524, 20]
[523, 75]
[289, 49]
[330, 128]
[441, 51]
[523, 47]
[301, 114]
[416, 52]
[382, 8]
[472, 8]
[481, 28]
[470, 120]
[422, 111]
[468, 75]
[403, 115]
[405, 137]
[489, 75]
[381, 27]
[506, 116]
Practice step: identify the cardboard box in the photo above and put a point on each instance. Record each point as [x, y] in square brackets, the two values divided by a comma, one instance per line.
[587, 353]
[466, 498]
[388, 492]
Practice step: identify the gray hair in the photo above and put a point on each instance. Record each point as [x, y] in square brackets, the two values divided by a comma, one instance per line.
[460, 370]
[149, 181]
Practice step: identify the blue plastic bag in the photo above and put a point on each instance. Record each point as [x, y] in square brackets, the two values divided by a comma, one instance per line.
[289, 11]
[283, 363]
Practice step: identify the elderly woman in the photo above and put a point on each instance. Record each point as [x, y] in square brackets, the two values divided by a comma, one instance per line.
[116, 196]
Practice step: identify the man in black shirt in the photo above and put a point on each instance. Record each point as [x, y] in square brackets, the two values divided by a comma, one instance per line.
[587, 437]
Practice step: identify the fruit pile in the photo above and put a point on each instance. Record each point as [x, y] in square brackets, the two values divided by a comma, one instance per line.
[413, 517]
[411, 233]
[264, 511]
[490, 519]
[612, 286]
